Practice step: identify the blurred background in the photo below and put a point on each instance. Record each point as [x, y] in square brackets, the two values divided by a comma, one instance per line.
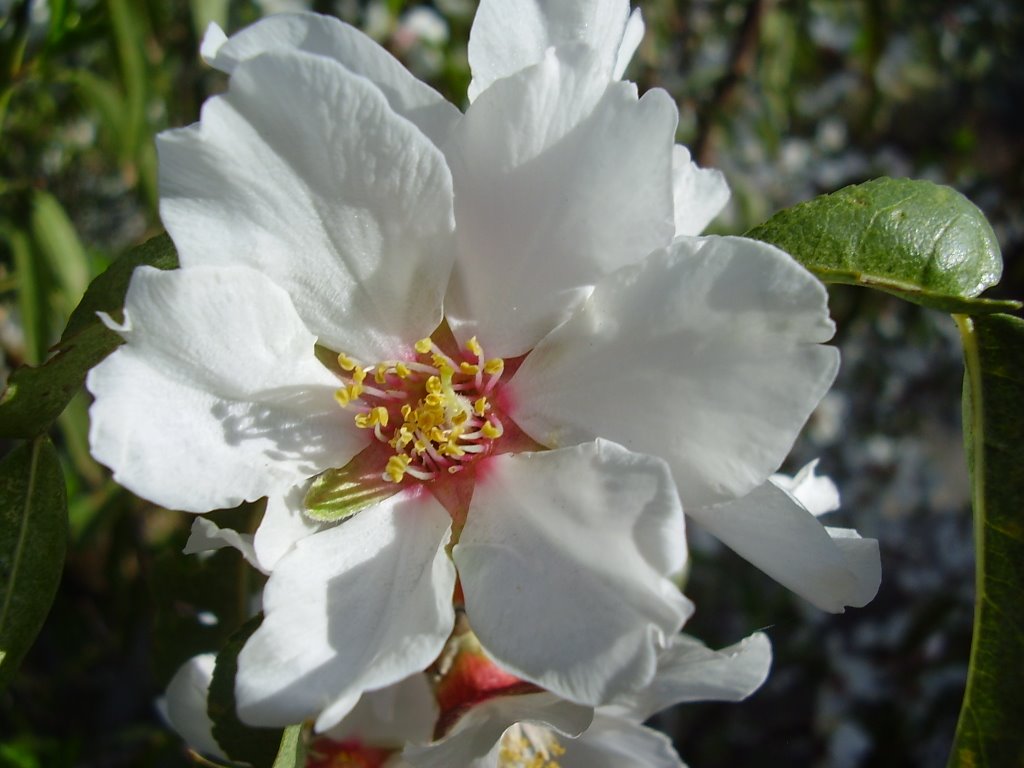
[790, 100]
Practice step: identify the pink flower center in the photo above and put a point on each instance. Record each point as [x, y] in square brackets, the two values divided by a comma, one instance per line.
[437, 413]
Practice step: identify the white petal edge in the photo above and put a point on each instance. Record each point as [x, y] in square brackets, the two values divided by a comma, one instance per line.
[707, 354]
[348, 610]
[352, 218]
[612, 742]
[816, 493]
[509, 35]
[771, 530]
[217, 383]
[207, 536]
[479, 731]
[560, 177]
[282, 525]
[391, 717]
[557, 538]
[698, 194]
[326, 36]
[689, 671]
[184, 704]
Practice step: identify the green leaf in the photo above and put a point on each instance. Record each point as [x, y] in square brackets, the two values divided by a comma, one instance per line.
[58, 242]
[30, 294]
[35, 397]
[339, 493]
[33, 539]
[989, 732]
[242, 743]
[920, 241]
[292, 752]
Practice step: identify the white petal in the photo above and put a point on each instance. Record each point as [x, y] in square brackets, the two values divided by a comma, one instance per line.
[478, 731]
[556, 539]
[699, 194]
[185, 704]
[690, 671]
[817, 494]
[510, 35]
[392, 716]
[327, 36]
[560, 177]
[350, 609]
[631, 39]
[706, 354]
[771, 530]
[282, 525]
[207, 536]
[351, 216]
[614, 743]
[217, 397]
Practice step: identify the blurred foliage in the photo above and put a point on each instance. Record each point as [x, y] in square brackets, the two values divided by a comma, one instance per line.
[791, 99]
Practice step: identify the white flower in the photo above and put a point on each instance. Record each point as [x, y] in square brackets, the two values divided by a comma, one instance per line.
[510, 731]
[329, 198]
[183, 706]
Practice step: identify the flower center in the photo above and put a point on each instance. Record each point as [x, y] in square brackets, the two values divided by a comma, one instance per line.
[349, 753]
[526, 745]
[436, 412]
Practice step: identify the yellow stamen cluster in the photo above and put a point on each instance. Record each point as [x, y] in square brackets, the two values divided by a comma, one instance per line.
[525, 746]
[441, 412]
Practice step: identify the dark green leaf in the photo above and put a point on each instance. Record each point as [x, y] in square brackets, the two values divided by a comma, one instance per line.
[35, 397]
[292, 752]
[339, 493]
[33, 538]
[923, 242]
[989, 732]
[256, 746]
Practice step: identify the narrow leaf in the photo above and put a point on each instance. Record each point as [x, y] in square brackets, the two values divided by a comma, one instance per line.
[923, 242]
[35, 397]
[339, 493]
[242, 743]
[30, 304]
[33, 539]
[292, 752]
[58, 242]
[989, 732]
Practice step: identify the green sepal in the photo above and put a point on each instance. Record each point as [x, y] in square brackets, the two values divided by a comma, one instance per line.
[33, 541]
[36, 396]
[923, 242]
[292, 751]
[242, 743]
[339, 493]
[988, 732]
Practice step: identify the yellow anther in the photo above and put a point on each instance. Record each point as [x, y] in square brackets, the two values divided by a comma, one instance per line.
[423, 345]
[346, 362]
[358, 375]
[342, 397]
[474, 346]
[433, 385]
[460, 418]
[380, 374]
[406, 410]
[494, 365]
[363, 420]
[491, 430]
[444, 369]
[354, 390]
[402, 370]
[469, 369]
[480, 406]
[382, 415]
[395, 469]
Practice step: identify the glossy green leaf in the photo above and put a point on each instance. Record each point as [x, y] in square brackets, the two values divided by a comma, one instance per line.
[242, 743]
[35, 397]
[33, 539]
[920, 241]
[292, 752]
[989, 732]
[339, 493]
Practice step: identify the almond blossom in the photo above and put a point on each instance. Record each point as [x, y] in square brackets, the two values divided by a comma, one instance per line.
[499, 323]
